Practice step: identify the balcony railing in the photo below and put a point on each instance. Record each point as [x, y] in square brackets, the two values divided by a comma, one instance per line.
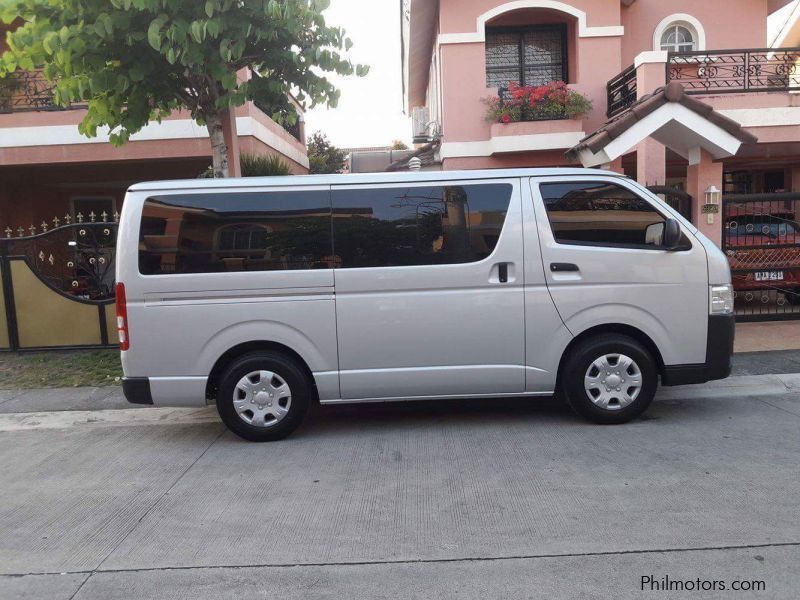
[23, 91]
[736, 71]
[621, 91]
[717, 72]
[27, 91]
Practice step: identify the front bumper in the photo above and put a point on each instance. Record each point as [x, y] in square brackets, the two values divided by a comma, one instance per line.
[137, 390]
[719, 349]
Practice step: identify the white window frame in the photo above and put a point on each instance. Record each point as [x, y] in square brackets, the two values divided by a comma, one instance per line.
[691, 23]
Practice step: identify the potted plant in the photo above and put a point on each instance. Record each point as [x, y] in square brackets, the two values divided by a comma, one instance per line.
[537, 103]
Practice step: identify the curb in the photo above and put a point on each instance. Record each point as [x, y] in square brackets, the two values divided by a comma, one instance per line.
[734, 387]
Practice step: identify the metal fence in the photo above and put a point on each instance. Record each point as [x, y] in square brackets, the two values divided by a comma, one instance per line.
[22, 91]
[736, 71]
[621, 91]
[58, 286]
[761, 237]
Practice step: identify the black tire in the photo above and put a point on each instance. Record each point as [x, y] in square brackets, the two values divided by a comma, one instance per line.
[581, 359]
[284, 367]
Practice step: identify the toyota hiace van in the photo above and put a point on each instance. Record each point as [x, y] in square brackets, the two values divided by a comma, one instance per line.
[264, 295]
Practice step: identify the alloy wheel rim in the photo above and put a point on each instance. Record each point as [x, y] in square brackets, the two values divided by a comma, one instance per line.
[262, 398]
[613, 382]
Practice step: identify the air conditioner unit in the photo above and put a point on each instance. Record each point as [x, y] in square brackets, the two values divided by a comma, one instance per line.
[420, 123]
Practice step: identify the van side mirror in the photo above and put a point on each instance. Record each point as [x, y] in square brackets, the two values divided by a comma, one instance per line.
[672, 235]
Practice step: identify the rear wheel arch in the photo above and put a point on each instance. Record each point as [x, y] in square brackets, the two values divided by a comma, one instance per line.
[222, 363]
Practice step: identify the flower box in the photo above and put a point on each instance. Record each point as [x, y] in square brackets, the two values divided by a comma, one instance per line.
[537, 127]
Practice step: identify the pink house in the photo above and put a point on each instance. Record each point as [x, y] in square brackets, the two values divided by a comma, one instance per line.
[729, 119]
[50, 171]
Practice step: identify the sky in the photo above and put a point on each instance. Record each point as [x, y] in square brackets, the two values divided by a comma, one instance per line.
[370, 111]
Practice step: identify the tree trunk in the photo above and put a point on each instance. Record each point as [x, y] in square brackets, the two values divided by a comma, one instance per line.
[219, 149]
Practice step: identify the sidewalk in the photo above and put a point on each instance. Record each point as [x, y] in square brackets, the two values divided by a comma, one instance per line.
[754, 373]
[773, 335]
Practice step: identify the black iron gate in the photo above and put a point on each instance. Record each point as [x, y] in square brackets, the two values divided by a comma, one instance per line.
[58, 286]
[676, 198]
[761, 237]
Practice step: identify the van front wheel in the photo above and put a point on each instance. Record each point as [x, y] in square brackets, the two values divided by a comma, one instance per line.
[610, 379]
[263, 396]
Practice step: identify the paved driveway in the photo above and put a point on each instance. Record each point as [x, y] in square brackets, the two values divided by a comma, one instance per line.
[472, 499]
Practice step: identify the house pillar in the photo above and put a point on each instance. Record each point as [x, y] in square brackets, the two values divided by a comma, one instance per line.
[651, 156]
[651, 162]
[699, 177]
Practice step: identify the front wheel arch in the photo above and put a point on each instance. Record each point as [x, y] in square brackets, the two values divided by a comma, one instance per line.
[619, 328]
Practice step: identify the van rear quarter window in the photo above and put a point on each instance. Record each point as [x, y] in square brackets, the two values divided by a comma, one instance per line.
[229, 231]
[600, 213]
[418, 225]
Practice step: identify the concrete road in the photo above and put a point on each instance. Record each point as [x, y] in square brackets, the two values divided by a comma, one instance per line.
[477, 499]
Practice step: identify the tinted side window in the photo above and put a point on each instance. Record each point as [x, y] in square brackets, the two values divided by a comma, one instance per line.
[219, 232]
[404, 226]
[600, 213]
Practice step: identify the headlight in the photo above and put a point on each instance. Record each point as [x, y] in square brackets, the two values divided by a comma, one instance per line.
[721, 300]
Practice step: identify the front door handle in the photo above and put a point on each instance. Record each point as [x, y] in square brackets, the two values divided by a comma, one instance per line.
[563, 267]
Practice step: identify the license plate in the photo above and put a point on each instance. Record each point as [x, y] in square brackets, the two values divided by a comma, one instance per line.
[769, 276]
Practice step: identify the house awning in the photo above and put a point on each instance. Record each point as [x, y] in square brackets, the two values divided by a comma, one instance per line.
[670, 116]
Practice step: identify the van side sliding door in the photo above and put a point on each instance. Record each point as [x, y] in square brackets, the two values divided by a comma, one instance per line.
[429, 289]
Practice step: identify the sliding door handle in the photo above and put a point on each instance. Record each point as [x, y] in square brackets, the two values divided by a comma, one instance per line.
[502, 272]
[563, 267]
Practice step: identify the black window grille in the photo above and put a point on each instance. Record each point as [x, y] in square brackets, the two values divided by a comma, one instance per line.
[531, 56]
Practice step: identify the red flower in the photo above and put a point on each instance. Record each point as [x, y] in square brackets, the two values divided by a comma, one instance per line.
[505, 119]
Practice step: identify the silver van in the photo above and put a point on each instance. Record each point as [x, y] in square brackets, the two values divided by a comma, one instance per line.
[265, 295]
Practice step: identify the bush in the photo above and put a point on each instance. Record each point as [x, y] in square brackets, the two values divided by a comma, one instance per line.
[257, 165]
[527, 103]
[260, 165]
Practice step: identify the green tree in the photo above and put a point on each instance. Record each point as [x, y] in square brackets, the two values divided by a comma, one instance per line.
[399, 145]
[133, 61]
[323, 156]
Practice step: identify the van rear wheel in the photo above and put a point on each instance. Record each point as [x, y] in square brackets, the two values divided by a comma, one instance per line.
[263, 396]
[610, 379]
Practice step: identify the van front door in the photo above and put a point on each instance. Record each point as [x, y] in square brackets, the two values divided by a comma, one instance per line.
[429, 289]
[605, 265]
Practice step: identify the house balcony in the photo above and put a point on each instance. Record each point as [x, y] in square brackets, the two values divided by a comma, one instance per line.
[34, 130]
[29, 91]
[740, 74]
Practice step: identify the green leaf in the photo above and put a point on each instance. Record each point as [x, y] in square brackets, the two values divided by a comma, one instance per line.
[196, 31]
[136, 73]
[154, 34]
[213, 29]
[210, 8]
[49, 42]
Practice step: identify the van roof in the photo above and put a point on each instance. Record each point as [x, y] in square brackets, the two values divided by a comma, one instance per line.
[350, 179]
